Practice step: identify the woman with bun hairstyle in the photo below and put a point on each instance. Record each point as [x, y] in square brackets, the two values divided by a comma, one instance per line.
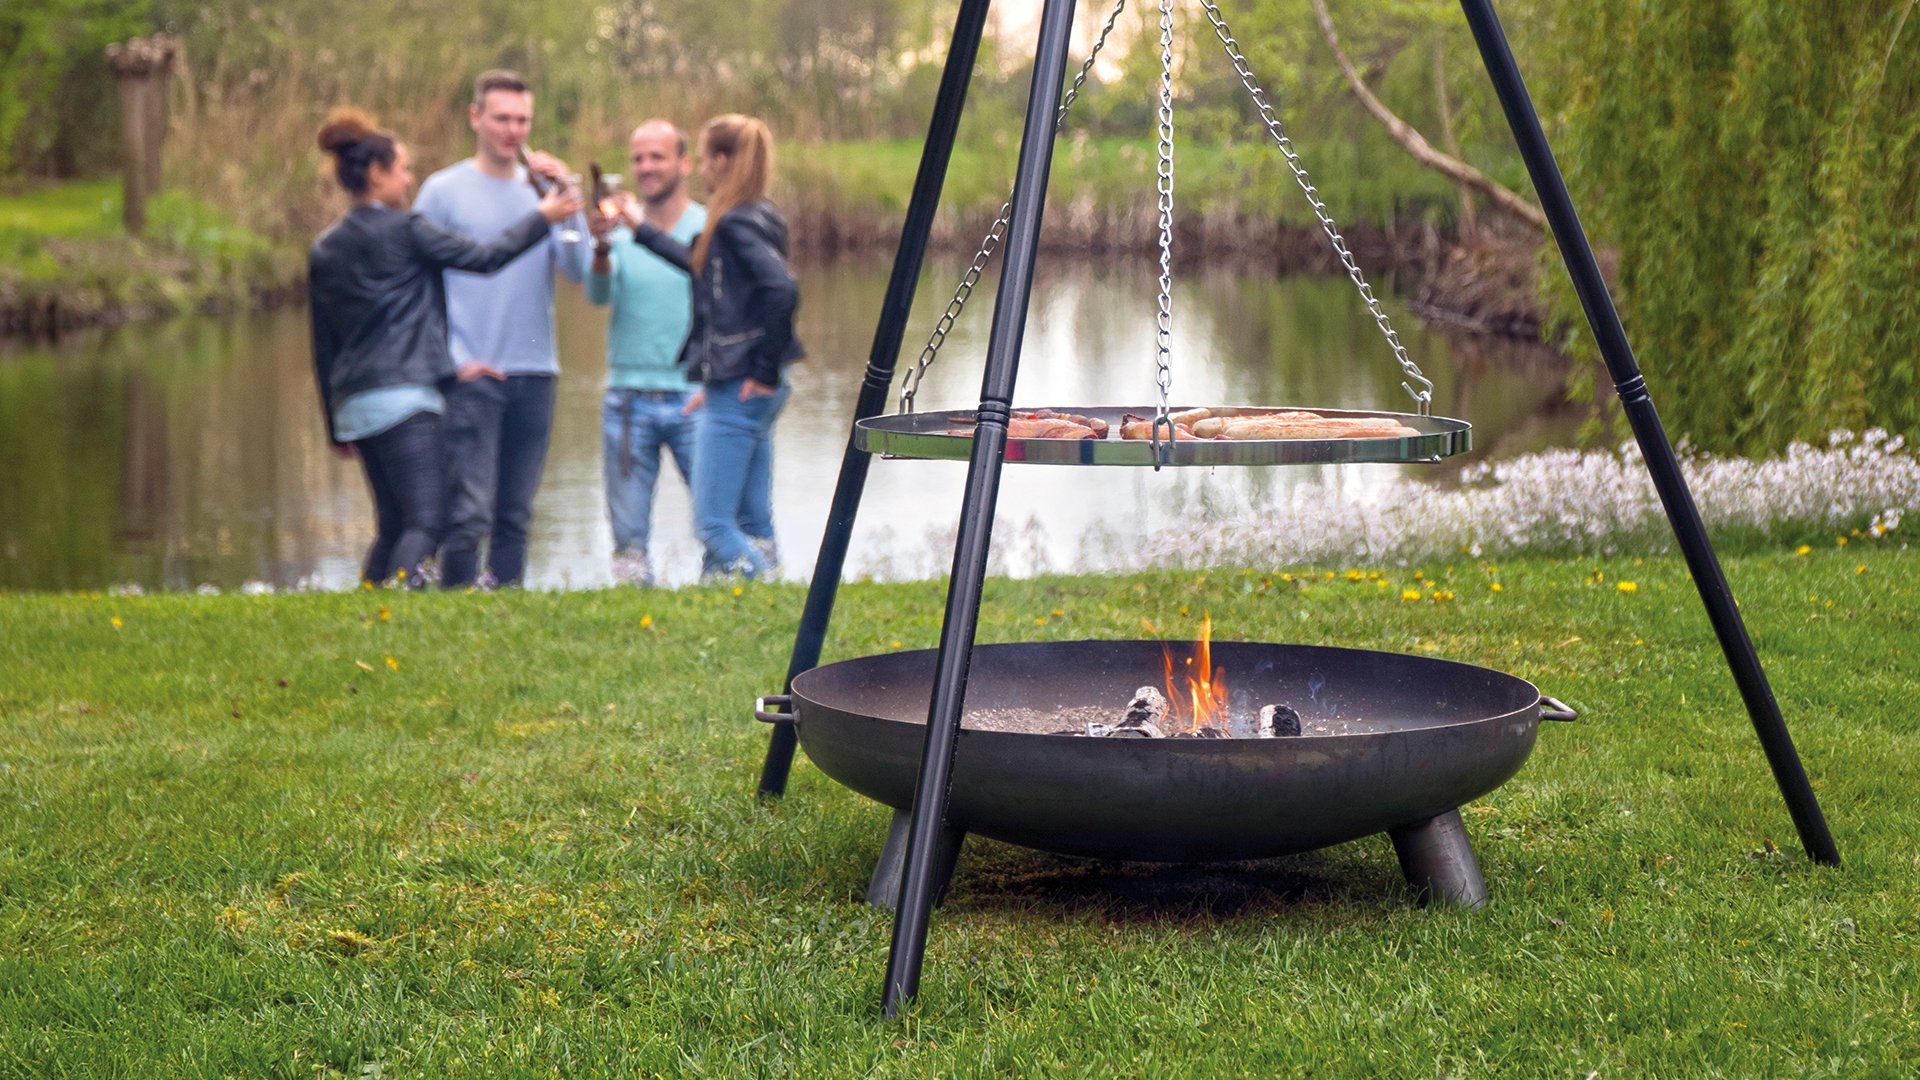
[380, 334]
[740, 343]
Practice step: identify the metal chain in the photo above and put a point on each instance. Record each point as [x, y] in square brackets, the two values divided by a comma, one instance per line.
[910, 385]
[1423, 396]
[1163, 183]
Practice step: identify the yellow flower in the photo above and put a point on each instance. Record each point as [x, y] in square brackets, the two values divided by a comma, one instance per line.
[1840, 541]
[366, 584]
[1495, 586]
[385, 614]
[1802, 549]
[895, 643]
[1059, 614]
[392, 664]
[117, 624]
[646, 621]
[401, 573]
[1355, 575]
[1286, 577]
[1626, 586]
[737, 590]
[1861, 569]
[1040, 620]
[1410, 594]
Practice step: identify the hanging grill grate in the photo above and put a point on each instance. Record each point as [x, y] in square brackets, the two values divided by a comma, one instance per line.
[1422, 438]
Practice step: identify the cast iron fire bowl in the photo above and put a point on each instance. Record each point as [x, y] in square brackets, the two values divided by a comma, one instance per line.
[1427, 736]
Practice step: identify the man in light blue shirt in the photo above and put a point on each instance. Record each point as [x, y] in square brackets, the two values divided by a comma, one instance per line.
[500, 331]
[649, 400]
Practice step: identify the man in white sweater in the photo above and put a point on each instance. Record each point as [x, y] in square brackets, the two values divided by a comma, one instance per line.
[500, 331]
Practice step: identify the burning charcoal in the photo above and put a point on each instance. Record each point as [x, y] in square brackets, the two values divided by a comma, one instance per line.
[1148, 707]
[1276, 721]
[1201, 733]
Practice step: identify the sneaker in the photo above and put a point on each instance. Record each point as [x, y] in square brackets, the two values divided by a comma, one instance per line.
[740, 569]
[769, 551]
[632, 568]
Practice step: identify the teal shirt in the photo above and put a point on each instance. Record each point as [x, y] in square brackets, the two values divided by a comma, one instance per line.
[652, 309]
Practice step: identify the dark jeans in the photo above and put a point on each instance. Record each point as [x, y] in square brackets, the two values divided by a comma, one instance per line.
[406, 467]
[496, 447]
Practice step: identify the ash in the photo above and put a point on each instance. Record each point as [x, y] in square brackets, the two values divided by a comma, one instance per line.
[1071, 721]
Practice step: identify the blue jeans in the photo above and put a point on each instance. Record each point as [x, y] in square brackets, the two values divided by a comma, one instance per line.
[635, 424]
[496, 448]
[733, 476]
[406, 470]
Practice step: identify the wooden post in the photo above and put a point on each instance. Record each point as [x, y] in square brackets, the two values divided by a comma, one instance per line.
[142, 67]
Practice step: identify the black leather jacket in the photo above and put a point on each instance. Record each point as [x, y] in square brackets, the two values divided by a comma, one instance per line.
[743, 299]
[379, 302]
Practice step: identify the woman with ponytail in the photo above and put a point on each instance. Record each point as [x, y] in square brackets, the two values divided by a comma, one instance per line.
[380, 334]
[740, 344]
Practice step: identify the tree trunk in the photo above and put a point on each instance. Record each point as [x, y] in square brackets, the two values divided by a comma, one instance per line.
[133, 152]
[142, 67]
[1416, 144]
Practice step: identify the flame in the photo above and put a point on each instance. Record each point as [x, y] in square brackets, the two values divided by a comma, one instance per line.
[1201, 702]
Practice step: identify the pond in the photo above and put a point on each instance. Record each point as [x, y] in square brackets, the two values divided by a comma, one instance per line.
[191, 452]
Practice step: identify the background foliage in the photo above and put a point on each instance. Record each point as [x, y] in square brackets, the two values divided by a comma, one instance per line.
[1754, 165]
[1749, 163]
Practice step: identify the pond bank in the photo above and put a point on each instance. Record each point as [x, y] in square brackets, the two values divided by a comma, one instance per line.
[69, 266]
[1488, 285]
[66, 263]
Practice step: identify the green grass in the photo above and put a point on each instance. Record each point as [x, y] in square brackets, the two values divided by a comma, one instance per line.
[65, 243]
[236, 840]
[1361, 183]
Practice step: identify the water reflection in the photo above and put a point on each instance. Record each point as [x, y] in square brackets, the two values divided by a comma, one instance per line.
[191, 452]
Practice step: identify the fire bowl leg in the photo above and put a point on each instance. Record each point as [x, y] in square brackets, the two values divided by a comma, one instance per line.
[884, 891]
[1438, 861]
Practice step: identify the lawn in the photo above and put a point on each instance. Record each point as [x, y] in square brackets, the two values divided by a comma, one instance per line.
[64, 243]
[1363, 184]
[504, 835]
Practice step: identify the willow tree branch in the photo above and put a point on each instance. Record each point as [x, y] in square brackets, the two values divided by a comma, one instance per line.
[1503, 198]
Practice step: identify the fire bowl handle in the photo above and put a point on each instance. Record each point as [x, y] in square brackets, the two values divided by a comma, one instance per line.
[776, 709]
[1552, 708]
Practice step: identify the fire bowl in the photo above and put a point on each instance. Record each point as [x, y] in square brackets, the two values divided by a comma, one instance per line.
[1420, 738]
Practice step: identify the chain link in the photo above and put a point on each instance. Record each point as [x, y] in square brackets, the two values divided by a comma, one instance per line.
[1163, 183]
[910, 385]
[1423, 397]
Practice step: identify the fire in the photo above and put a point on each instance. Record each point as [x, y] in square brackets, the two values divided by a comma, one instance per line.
[1196, 690]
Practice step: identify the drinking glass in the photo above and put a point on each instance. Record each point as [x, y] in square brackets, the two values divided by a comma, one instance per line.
[569, 234]
[610, 195]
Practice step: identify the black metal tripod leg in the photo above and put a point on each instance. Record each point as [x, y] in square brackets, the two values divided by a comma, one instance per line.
[884, 890]
[1682, 514]
[1438, 861]
[976, 509]
[894, 311]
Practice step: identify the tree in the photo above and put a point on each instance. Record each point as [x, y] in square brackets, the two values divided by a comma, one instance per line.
[1753, 163]
[56, 100]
